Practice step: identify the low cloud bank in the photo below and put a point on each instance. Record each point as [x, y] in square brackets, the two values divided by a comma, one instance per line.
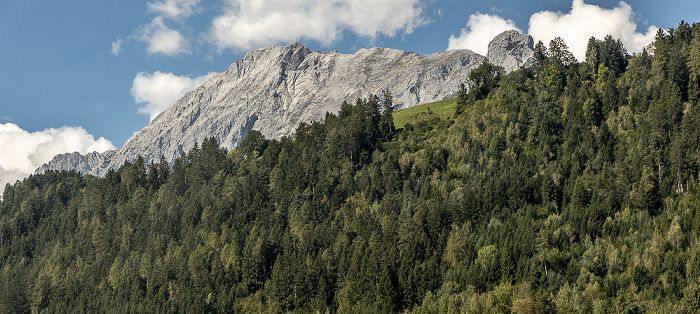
[23, 152]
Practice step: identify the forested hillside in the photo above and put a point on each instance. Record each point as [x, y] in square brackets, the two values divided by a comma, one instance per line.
[568, 186]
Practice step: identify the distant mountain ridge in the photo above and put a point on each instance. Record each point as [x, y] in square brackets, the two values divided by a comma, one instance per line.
[274, 89]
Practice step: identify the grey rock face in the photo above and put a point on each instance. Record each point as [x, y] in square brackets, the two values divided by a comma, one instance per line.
[273, 89]
[512, 50]
[80, 163]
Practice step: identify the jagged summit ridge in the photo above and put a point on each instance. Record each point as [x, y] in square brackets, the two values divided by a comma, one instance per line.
[273, 89]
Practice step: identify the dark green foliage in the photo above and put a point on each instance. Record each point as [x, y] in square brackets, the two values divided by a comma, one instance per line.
[254, 144]
[566, 187]
[386, 121]
[462, 99]
[482, 80]
[558, 52]
[540, 54]
[609, 53]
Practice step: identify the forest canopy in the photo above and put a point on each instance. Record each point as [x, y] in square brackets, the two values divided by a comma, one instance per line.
[566, 186]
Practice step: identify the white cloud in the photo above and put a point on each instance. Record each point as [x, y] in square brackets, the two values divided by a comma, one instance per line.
[23, 152]
[162, 39]
[586, 20]
[248, 24]
[117, 47]
[173, 9]
[480, 30]
[160, 90]
[575, 27]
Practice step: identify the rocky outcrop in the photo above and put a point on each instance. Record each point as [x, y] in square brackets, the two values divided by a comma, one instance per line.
[273, 89]
[512, 50]
[80, 163]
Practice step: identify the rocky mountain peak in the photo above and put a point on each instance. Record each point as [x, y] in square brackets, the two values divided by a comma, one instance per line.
[273, 89]
[512, 50]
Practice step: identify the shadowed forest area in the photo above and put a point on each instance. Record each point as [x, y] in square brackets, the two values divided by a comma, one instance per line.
[567, 186]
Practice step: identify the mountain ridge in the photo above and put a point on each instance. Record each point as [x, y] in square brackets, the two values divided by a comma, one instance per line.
[273, 89]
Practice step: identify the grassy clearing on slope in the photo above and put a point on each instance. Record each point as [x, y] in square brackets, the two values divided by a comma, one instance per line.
[443, 109]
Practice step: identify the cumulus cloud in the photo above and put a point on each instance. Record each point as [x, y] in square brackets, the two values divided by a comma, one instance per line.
[159, 91]
[162, 39]
[173, 9]
[247, 24]
[586, 20]
[117, 47]
[480, 30]
[575, 27]
[23, 152]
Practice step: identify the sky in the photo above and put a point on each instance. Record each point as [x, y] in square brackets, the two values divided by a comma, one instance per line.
[85, 75]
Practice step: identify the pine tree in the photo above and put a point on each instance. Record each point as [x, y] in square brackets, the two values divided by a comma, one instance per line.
[386, 122]
[461, 99]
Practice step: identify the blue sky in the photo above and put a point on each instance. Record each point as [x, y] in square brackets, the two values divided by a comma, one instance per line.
[81, 75]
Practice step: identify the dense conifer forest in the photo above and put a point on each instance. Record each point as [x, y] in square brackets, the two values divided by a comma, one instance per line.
[564, 187]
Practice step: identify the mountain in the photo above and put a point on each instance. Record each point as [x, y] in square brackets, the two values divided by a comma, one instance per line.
[511, 50]
[273, 89]
[566, 187]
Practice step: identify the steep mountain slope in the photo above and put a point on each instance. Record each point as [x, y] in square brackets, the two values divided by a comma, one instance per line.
[273, 89]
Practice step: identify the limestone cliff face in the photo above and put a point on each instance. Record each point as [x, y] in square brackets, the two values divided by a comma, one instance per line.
[273, 89]
[512, 50]
[80, 163]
